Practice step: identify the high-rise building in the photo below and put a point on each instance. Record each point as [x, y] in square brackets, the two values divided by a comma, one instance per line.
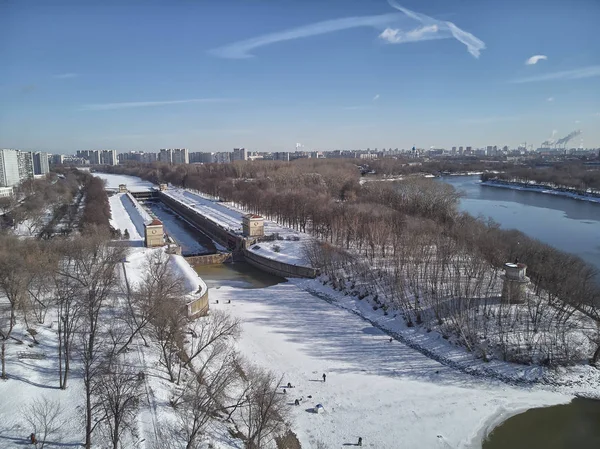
[57, 159]
[281, 156]
[165, 155]
[25, 163]
[239, 154]
[40, 163]
[222, 157]
[9, 168]
[107, 157]
[92, 156]
[180, 156]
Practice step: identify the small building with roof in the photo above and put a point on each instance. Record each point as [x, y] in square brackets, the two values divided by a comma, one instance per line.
[154, 233]
[253, 225]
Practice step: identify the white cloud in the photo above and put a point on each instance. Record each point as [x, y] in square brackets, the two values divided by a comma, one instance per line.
[64, 76]
[535, 59]
[550, 99]
[145, 104]
[376, 97]
[443, 29]
[397, 36]
[577, 121]
[389, 24]
[583, 72]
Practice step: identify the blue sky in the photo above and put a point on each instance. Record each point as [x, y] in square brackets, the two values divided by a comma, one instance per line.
[265, 74]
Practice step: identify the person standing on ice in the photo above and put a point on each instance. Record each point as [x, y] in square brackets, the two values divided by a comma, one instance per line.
[324, 377]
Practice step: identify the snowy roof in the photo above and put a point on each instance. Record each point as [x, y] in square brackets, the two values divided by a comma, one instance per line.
[252, 216]
[155, 222]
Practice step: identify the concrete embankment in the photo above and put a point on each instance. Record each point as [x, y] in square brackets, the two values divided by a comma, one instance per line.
[278, 268]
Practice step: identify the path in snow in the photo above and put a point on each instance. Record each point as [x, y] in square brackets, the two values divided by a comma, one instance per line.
[388, 393]
[124, 216]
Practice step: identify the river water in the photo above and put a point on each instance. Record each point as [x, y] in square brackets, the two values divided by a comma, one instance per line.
[567, 224]
[571, 426]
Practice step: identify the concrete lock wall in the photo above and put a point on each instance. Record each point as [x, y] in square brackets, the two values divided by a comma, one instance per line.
[214, 231]
[278, 268]
[234, 243]
[209, 259]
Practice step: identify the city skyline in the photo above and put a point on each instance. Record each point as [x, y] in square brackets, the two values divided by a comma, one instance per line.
[340, 75]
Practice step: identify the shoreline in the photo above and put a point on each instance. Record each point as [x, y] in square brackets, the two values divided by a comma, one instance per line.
[540, 189]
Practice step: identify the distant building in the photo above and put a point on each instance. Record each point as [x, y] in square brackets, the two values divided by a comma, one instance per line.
[9, 168]
[367, 156]
[108, 157]
[222, 157]
[57, 159]
[239, 154]
[165, 155]
[99, 157]
[25, 163]
[6, 192]
[281, 156]
[92, 156]
[180, 156]
[40, 163]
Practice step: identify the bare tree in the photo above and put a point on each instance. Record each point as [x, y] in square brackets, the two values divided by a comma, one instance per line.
[217, 328]
[44, 419]
[118, 395]
[203, 397]
[66, 291]
[266, 411]
[13, 284]
[168, 326]
[159, 286]
[91, 264]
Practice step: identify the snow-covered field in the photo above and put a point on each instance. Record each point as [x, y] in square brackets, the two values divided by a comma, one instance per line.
[388, 394]
[133, 183]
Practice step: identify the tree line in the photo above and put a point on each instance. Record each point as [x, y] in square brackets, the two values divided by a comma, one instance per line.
[76, 284]
[406, 245]
[569, 175]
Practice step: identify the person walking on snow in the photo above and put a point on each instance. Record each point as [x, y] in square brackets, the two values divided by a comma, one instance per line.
[324, 377]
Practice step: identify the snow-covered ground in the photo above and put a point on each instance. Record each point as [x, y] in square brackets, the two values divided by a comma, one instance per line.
[33, 375]
[133, 183]
[288, 248]
[125, 215]
[213, 210]
[385, 392]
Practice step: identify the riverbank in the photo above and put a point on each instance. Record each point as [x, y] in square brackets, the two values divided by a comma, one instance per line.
[590, 197]
[384, 391]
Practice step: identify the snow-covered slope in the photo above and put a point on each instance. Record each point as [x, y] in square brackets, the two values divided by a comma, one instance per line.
[388, 394]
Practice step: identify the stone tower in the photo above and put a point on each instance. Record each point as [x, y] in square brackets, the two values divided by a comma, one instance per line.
[154, 233]
[253, 225]
[515, 283]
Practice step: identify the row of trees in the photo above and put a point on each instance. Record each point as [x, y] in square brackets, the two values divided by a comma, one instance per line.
[100, 320]
[418, 254]
[571, 175]
[39, 202]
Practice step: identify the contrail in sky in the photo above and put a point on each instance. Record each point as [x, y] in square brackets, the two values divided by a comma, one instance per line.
[394, 29]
